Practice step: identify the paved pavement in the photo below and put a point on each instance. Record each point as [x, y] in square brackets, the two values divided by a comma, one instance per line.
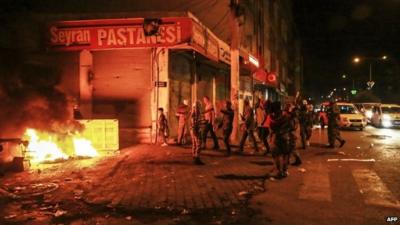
[146, 178]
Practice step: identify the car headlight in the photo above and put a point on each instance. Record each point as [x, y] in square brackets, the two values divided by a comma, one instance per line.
[386, 117]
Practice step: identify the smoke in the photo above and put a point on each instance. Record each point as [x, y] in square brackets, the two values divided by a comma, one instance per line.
[29, 97]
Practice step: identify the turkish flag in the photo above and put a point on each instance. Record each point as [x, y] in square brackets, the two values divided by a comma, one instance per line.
[260, 75]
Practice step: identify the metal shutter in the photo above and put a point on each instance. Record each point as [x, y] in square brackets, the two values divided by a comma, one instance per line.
[122, 86]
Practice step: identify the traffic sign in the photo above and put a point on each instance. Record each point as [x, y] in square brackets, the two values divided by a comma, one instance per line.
[370, 84]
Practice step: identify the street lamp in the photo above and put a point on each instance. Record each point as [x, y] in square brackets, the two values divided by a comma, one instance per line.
[356, 60]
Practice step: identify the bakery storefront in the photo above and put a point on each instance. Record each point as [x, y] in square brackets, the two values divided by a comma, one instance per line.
[127, 68]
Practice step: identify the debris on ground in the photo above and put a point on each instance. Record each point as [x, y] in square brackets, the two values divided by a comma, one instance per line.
[7, 195]
[185, 212]
[341, 153]
[78, 194]
[11, 216]
[301, 170]
[258, 188]
[128, 218]
[358, 147]
[60, 212]
[244, 193]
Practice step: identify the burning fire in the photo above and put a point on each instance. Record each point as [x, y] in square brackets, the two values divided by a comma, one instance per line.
[46, 147]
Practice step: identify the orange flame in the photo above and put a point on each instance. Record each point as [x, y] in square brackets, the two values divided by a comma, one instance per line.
[45, 147]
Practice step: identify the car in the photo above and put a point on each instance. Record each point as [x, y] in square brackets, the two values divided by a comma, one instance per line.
[366, 109]
[350, 116]
[386, 115]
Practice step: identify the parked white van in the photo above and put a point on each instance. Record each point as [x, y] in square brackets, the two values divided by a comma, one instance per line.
[386, 115]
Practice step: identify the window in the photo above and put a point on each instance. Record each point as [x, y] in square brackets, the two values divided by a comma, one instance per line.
[347, 109]
[390, 109]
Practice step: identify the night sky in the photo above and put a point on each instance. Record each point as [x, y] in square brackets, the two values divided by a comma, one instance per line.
[334, 31]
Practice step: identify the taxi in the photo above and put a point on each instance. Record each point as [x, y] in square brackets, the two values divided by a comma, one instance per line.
[350, 117]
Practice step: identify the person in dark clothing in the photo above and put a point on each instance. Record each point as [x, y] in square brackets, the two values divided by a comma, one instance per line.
[283, 126]
[262, 124]
[295, 112]
[333, 126]
[162, 127]
[195, 121]
[309, 123]
[306, 123]
[182, 114]
[209, 116]
[248, 129]
[227, 124]
[302, 111]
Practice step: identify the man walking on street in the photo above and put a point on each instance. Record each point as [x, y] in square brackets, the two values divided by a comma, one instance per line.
[262, 124]
[283, 126]
[248, 129]
[227, 124]
[163, 130]
[182, 114]
[209, 116]
[333, 126]
[195, 120]
[306, 123]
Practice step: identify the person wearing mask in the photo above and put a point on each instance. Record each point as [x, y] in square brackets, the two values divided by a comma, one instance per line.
[309, 123]
[182, 114]
[302, 116]
[333, 126]
[283, 126]
[248, 126]
[163, 130]
[262, 123]
[195, 121]
[227, 124]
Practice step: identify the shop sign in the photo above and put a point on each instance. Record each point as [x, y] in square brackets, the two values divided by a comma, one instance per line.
[117, 33]
[204, 41]
[253, 60]
[224, 52]
[160, 84]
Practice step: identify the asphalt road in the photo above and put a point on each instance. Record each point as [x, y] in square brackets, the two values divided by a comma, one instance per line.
[356, 184]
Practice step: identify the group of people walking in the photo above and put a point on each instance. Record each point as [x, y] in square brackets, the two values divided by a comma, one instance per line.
[275, 126]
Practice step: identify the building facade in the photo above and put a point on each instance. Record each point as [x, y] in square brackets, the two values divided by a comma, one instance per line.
[112, 70]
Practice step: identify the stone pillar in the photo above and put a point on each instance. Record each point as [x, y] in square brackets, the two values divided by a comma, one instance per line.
[85, 83]
[160, 93]
[235, 42]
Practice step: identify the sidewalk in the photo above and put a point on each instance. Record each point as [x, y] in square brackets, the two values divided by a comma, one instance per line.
[144, 178]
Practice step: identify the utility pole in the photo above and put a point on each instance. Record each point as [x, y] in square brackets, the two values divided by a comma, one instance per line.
[235, 43]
